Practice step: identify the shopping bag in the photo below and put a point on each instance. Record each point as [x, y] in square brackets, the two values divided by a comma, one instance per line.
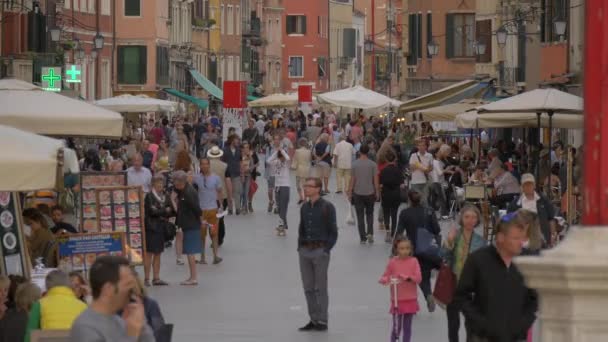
[253, 187]
[350, 219]
[445, 285]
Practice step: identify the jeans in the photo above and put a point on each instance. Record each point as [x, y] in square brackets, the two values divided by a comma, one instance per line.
[343, 179]
[438, 200]
[313, 269]
[423, 189]
[425, 270]
[245, 192]
[282, 200]
[453, 313]
[390, 218]
[237, 190]
[364, 206]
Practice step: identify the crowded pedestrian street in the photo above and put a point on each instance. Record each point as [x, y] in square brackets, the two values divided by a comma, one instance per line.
[255, 294]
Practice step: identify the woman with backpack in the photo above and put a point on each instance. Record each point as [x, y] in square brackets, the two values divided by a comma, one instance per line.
[411, 220]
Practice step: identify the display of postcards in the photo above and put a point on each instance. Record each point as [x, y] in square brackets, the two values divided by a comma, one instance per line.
[78, 260]
[118, 180]
[89, 181]
[135, 224]
[120, 225]
[65, 263]
[119, 211]
[5, 198]
[105, 226]
[89, 211]
[104, 197]
[135, 240]
[90, 259]
[119, 196]
[88, 196]
[89, 225]
[105, 211]
[119, 253]
[134, 210]
[133, 196]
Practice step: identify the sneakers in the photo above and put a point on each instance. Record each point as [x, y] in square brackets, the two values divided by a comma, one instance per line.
[250, 207]
[179, 261]
[238, 212]
[230, 212]
[370, 239]
[430, 303]
[276, 210]
[270, 205]
[388, 238]
[363, 242]
[300, 202]
[217, 260]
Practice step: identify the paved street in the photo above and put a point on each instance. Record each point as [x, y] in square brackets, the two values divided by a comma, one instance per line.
[256, 293]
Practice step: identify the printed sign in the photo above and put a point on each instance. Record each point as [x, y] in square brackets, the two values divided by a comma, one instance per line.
[79, 251]
[89, 181]
[14, 259]
[121, 209]
[233, 117]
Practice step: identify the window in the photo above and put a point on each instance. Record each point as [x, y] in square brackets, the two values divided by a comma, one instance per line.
[322, 67]
[269, 32]
[230, 20]
[483, 34]
[75, 5]
[132, 64]
[92, 8]
[230, 67]
[132, 8]
[105, 7]
[222, 19]
[550, 11]
[67, 4]
[460, 35]
[238, 21]
[419, 31]
[415, 38]
[296, 24]
[83, 5]
[278, 30]
[238, 67]
[296, 66]
[429, 31]
[162, 65]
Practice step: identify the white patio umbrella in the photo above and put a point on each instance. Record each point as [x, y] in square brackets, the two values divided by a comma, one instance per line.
[29, 161]
[537, 101]
[475, 120]
[28, 107]
[277, 100]
[357, 97]
[446, 112]
[136, 104]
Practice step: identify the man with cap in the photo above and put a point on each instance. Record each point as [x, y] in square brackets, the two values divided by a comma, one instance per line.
[537, 203]
[220, 168]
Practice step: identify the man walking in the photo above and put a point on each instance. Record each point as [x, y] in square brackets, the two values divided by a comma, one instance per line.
[317, 235]
[343, 159]
[421, 165]
[496, 303]
[364, 189]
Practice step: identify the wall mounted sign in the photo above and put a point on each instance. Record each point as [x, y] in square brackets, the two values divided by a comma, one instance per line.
[51, 78]
[12, 251]
[73, 73]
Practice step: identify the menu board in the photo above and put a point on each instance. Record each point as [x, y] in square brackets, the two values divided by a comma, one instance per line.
[12, 250]
[77, 252]
[121, 209]
[89, 181]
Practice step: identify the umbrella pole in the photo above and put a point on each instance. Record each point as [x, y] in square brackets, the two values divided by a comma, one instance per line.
[550, 147]
[478, 141]
[538, 163]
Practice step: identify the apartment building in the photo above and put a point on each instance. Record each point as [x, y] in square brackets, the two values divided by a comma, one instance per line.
[347, 28]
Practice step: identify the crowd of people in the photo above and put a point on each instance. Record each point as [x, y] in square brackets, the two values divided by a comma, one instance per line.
[193, 176]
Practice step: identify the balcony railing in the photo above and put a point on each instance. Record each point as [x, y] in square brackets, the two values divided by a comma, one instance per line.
[507, 76]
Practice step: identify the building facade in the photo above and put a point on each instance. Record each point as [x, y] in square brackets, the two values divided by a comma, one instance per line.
[450, 25]
[180, 42]
[346, 28]
[229, 54]
[142, 47]
[305, 45]
[271, 13]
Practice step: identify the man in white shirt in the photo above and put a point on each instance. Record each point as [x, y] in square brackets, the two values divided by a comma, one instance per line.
[343, 159]
[138, 175]
[421, 165]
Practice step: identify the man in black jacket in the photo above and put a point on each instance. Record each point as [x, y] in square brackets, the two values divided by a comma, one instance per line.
[317, 235]
[496, 303]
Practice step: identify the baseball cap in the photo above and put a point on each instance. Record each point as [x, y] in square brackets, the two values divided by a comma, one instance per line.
[528, 178]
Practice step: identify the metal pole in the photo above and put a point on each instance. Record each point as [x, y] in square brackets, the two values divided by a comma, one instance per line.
[390, 48]
[97, 75]
[550, 161]
[538, 162]
[373, 52]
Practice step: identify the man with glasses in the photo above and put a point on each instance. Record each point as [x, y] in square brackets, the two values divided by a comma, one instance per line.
[317, 235]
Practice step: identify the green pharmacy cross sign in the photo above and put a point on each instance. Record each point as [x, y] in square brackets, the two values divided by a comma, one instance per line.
[73, 73]
[51, 78]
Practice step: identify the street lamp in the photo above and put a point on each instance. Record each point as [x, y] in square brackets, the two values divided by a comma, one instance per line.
[480, 48]
[560, 26]
[212, 57]
[433, 48]
[189, 62]
[80, 53]
[94, 53]
[501, 36]
[369, 45]
[55, 34]
[98, 41]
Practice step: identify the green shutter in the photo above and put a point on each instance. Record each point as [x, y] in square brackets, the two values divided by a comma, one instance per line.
[121, 65]
[419, 35]
[429, 31]
[411, 58]
[143, 63]
[349, 42]
[449, 36]
[303, 24]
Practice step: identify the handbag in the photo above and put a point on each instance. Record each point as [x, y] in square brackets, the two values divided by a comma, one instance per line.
[445, 285]
[170, 230]
[426, 242]
[253, 187]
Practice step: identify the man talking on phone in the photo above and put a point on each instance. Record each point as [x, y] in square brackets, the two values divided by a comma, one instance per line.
[112, 283]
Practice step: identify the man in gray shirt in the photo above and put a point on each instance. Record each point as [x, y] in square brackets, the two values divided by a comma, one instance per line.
[364, 190]
[112, 284]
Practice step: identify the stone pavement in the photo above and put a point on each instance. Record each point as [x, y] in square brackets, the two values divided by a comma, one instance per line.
[256, 293]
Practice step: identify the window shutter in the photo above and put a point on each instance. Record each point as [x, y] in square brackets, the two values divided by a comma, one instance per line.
[349, 42]
[419, 35]
[449, 37]
[429, 31]
[290, 24]
[121, 64]
[411, 58]
[303, 18]
[483, 33]
[143, 65]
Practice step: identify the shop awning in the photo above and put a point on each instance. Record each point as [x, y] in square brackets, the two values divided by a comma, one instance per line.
[202, 104]
[207, 85]
[456, 91]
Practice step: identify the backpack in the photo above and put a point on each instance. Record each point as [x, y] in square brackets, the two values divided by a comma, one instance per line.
[67, 200]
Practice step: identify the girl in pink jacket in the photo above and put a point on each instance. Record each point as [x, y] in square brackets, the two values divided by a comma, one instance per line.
[402, 274]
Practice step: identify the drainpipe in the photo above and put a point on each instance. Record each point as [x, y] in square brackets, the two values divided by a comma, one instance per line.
[113, 46]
